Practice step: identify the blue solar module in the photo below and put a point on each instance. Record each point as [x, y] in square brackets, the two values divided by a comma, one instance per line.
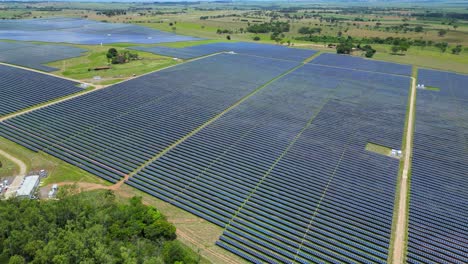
[83, 31]
[113, 131]
[262, 50]
[35, 55]
[285, 196]
[438, 222]
[21, 89]
[350, 62]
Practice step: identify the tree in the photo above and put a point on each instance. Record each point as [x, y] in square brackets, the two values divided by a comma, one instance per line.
[228, 37]
[369, 51]
[87, 227]
[442, 32]
[442, 46]
[256, 38]
[455, 51]
[395, 49]
[418, 29]
[16, 259]
[344, 47]
[174, 251]
[111, 53]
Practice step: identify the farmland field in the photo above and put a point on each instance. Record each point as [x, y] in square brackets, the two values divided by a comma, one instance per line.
[439, 195]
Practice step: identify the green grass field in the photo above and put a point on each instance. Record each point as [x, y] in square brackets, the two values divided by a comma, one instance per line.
[59, 170]
[382, 150]
[78, 68]
[8, 167]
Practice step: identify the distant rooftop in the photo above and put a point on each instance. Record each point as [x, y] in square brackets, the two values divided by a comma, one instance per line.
[28, 185]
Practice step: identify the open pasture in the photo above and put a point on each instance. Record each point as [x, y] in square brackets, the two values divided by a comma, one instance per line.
[261, 50]
[31, 89]
[438, 211]
[113, 131]
[35, 55]
[356, 63]
[277, 171]
[82, 31]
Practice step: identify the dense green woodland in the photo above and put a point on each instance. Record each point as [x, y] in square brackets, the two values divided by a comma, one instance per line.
[90, 227]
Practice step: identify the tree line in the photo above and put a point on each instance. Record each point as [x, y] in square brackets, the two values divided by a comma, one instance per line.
[89, 227]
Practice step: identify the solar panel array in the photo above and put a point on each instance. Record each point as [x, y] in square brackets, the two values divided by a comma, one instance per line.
[34, 55]
[438, 223]
[113, 131]
[262, 50]
[287, 190]
[83, 31]
[351, 62]
[31, 89]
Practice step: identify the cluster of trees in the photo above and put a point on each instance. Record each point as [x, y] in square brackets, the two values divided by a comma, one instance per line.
[223, 31]
[346, 47]
[109, 13]
[457, 49]
[309, 30]
[275, 27]
[90, 227]
[369, 51]
[219, 16]
[399, 45]
[401, 48]
[116, 57]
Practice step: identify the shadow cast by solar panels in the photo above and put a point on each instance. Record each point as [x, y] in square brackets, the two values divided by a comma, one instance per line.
[83, 31]
[113, 131]
[20, 89]
[439, 183]
[261, 50]
[289, 190]
[357, 63]
[35, 55]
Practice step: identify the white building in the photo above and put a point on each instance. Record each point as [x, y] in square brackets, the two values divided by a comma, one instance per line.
[28, 187]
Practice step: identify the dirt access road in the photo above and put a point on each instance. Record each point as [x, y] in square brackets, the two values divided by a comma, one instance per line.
[400, 230]
[18, 162]
[19, 178]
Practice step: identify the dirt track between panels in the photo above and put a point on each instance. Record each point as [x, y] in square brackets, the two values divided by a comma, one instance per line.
[400, 230]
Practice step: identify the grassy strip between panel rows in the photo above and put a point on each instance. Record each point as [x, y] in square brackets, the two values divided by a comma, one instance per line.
[34, 107]
[400, 176]
[173, 145]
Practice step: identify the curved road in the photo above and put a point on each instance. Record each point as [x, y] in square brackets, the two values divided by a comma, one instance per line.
[18, 162]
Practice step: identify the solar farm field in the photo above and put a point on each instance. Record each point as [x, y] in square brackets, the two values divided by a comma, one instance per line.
[83, 31]
[35, 55]
[262, 50]
[286, 172]
[351, 62]
[113, 131]
[31, 89]
[438, 223]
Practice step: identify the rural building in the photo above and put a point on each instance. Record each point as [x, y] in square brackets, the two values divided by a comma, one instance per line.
[28, 187]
